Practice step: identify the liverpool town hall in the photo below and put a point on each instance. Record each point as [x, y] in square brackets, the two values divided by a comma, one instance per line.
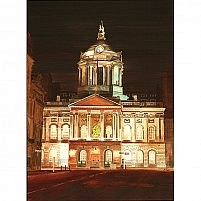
[100, 127]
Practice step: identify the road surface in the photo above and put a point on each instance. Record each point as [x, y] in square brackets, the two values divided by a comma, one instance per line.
[101, 185]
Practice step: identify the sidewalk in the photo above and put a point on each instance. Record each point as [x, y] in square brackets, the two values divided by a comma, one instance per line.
[42, 172]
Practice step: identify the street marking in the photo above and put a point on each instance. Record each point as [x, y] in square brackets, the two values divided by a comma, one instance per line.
[42, 189]
[73, 180]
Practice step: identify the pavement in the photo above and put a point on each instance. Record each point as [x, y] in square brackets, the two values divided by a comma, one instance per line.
[41, 172]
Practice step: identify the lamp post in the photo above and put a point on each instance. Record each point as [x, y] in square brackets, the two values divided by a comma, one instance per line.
[123, 159]
[53, 164]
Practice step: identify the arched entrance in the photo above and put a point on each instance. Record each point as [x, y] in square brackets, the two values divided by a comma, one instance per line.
[108, 158]
[95, 158]
[127, 158]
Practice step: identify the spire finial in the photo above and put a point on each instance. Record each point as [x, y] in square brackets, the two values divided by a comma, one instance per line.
[101, 32]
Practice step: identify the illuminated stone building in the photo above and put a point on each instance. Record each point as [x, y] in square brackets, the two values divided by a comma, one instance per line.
[101, 128]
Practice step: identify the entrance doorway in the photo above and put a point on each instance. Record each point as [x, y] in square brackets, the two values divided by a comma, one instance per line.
[95, 161]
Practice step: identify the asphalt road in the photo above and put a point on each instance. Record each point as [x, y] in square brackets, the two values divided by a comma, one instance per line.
[101, 185]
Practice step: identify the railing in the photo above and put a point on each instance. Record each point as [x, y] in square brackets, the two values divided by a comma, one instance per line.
[142, 104]
[56, 103]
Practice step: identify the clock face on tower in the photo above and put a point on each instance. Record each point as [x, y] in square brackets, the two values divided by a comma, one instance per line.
[99, 49]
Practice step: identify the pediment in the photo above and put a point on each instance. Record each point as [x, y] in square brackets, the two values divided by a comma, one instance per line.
[95, 100]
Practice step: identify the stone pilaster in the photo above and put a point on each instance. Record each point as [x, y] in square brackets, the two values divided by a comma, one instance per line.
[102, 125]
[88, 126]
[162, 129]
[76, 127]
[71, 126]
[114, 126]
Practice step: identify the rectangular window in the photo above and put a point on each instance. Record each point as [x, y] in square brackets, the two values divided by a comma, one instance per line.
[100, 76]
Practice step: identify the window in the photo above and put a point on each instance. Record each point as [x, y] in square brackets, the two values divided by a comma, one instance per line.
[151, 133]
[139, 132]
[127, 132]
[152, 157]
[83, 131]
[127, 155]
[53, 131]
[140, 156]
[100, 76]
[108, 131]
[83, 155]
[65, 131]
[108, 156]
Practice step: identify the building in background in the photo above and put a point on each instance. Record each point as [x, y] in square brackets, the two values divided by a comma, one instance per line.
[38, 88]
[100, 127]
[168, 101]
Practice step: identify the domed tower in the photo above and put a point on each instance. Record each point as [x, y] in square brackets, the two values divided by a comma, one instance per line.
[101, 69]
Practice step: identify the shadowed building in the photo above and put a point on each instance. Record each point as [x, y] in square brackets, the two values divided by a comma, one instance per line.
[101, 128]
[38, 86]
[168, 101]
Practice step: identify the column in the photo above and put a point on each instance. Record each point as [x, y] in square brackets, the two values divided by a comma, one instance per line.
[113, 126]
[76, 127]
[79, 77]
[47, 136]
[71, 126]
[118, 137]
[145, 124]
[88, 126]
[43, 130]
[59, 132]
[133, 128]
[102, 125]
[157, 124]
[120, 77]
[122, 123]
[95, 75]
[108, 76]
[162, 129]
[134, 133]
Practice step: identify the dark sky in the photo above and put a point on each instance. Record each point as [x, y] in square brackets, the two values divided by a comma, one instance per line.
[142, 29]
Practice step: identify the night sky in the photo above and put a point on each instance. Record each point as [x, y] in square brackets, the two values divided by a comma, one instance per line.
[142, 29]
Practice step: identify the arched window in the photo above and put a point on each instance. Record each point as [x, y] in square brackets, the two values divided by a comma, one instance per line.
[127, 132]
[83, 131]
[151, 133]
[53, 131]
[139, 132]
[65, 129]
[83, 155]
[140, 156]
[108, 156]
[152, 157]
[108, 131]
[127, 156]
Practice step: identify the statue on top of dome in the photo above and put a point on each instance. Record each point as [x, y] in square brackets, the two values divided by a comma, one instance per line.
[101, 32]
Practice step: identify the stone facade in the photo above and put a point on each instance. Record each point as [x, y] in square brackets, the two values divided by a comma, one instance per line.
[101, 133]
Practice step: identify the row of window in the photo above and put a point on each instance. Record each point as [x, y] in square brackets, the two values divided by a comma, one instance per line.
[108, 158]
[139, 132]
[127, 131]
[65, 130]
